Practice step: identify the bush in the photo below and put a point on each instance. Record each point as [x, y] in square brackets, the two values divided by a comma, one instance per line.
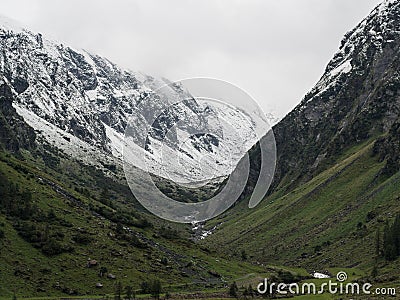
[142, 223]
[164, 261]
[145, 287]
[52, 247]
[233, 290]
[134, 241]
[30, 233]
[169, 233]
[243, 255]
[287, 277]
[153, 287]
[82, 238]
[42, 237]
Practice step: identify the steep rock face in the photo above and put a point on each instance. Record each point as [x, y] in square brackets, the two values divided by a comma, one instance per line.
[358, 97]
[388, 148]
[14, 133]
[81, 103]
[332, 192]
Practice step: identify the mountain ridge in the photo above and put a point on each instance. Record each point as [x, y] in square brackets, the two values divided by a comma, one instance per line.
[337, 185]
[331, 112]
[73, 94]
[337, 175]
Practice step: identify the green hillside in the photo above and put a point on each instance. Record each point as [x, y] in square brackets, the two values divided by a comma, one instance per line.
[71, 230]
[49, 232]
[329, 222]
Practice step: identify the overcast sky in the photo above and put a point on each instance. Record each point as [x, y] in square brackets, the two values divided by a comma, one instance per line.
[276, 50]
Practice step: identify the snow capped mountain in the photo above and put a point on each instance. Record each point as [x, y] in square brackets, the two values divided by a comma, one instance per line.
[378, 30]
[81, 103]
[356, 98]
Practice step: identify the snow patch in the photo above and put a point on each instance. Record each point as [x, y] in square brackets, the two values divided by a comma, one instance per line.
[320, 275]
[68, 143]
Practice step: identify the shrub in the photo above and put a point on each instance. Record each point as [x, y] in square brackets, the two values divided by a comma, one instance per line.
[391, 240]
[169, 233]
[82, 238]
[233, 290]
[52, 247]
[164, 261]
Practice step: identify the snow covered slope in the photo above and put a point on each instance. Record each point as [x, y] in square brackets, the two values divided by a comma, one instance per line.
[81, 103]
[355, 99]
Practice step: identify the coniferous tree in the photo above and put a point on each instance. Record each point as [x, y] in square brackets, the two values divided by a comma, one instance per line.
[387, 241]
[391, 240]
[396, 235]
[374, 272]
[250, 291]
[378, 243]
[118, 291]
[155, 289]
[233, 290]
[129, 292]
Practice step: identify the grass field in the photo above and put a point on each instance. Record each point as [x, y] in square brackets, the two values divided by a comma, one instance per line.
[327, 224]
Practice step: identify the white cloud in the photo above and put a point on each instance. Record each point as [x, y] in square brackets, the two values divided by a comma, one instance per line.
[275, 50]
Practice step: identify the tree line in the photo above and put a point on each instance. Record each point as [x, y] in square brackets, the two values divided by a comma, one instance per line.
[152, 287]
[391, 240]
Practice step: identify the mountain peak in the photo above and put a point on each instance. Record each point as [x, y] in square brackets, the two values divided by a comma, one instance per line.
[355, 99]
[376, 31]
[387, 3]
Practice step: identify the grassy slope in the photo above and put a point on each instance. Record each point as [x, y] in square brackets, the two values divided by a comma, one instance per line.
[314, 227]
[322, 223]
[27, 271]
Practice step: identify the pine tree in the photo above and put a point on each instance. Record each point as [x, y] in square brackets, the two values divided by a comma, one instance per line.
[250, 291]
[378, 243]
[243, 254]
[155, 289]
[396, 235]
[374, 272]
[391, 240]
[245, 293]
[233, 290]
[118, 291]
[103, 271]
[105, 197]
[129, 292]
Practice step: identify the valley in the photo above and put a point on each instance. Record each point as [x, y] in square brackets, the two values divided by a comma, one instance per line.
[71, 228]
